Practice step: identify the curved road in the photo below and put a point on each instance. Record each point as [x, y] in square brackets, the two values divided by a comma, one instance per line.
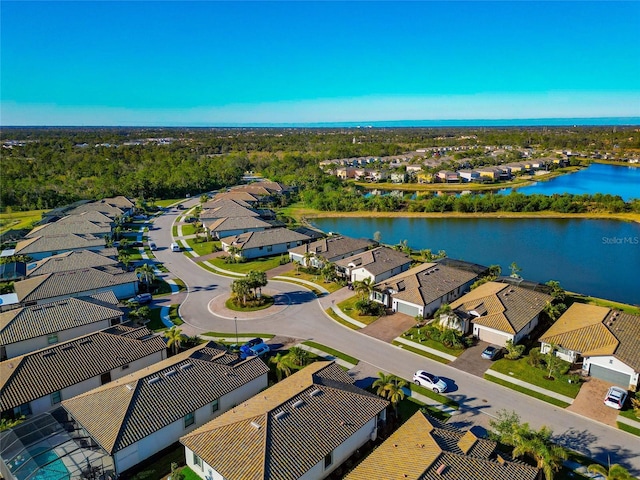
[304, 319]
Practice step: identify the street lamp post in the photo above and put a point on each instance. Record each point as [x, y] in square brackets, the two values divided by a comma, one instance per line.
[235, 321]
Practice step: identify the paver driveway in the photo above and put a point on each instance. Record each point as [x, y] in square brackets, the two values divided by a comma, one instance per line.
[470, 360]
[590, 402]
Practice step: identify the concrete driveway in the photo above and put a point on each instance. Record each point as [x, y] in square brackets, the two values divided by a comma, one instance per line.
[471, 362]
[388, 327]
[590, 402]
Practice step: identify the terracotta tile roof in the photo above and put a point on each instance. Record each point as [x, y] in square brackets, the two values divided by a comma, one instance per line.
[334, 248]
[80, 227]
[508, 308]
[73, 260]
[226, 224]
[40, 373]
[30, 322]
[377, 260]
[264, 238]
[419, 448]
[55, 243]
[285, 430]
[425, 283]
[126, 410]
[72, 282]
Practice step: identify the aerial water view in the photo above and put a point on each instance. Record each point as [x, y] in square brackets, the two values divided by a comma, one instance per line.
[256, 240]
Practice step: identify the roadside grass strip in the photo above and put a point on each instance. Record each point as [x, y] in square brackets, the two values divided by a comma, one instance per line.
[317, 289]
[526, 391]
[425, 395]
[628, 413]
[432, 347]
[331, 351]
[629, 429]
[218, 271]
[421, 352]
[340, 320]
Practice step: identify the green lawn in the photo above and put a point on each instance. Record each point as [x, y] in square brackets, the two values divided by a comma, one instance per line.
[419, 338]
[526, 391]
[348, 307]
[166, 203]
[409, 406]
[629, 429]
[317, 279]
[174, 316]
[521, 370]
[132, 252]
[233, 334]
[338, 319]
[174, 231]
[259, 264]
[201, 248]
[576, 297]
[268, 301]
[628, 413]
[188, 229]
[420, 352]
[433, 395]
[19, 220]
[188, 474]
[155, 323]
[331, 351]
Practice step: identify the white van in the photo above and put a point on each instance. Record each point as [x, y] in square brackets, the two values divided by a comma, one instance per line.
[175, 247]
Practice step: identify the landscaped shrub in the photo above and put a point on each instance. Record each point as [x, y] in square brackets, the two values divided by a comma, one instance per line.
[535, 357]
[369, 307]
[514, 352]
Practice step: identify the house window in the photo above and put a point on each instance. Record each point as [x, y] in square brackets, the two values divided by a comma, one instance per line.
[105, 378]
[56, 397]
[189, 419]
[22, 410]
[270, 248]
[215, 405]
[53, 338]
[197, 461]
[328, 460]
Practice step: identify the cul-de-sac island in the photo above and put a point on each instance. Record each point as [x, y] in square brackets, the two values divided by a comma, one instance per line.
[357, 303]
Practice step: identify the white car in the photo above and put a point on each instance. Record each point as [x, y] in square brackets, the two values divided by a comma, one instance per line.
[430, 381]
[175, 247]
[615, 398]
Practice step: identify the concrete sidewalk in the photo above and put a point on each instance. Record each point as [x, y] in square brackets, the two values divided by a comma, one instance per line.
[529, 386]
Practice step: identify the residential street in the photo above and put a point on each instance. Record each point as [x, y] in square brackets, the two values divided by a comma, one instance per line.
[301, 316]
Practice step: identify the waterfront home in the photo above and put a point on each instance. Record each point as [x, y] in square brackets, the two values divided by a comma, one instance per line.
[330, 249]
[24, 330]
[423, 289]
[424, 448]
[263, 243]
[447, 176]
[376, 264]
[398, 177]
[44, 246]
[138, 415]
[226, 209]
[604, 342]
[492, 173]
[469, 175]
[499, 311]
[228, 226]
[303, 427]
[76, 283]
[38, 381]
[72, 260]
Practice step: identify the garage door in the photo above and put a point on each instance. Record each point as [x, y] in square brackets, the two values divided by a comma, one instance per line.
[492, 337]
[407, 309]
[608, 375]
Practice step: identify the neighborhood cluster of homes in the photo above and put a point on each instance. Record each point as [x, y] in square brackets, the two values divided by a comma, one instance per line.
[100, 395]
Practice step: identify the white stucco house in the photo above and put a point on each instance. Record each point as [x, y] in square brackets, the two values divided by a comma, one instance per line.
[377, 264]
[275, 241]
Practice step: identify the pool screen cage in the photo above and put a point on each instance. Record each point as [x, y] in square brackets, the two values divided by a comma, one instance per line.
[51, 446]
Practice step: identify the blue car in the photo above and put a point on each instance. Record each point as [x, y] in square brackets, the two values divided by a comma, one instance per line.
[246, 348]
[259, 350]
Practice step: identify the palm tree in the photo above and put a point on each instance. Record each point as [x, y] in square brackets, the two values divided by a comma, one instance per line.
[380, 384]
[538, 445]
[299, 356]
[306, 258]
[364, 287]
[241, 289]
[390, 387]
[174, 338]
[233, 253]
[614, 472]
[283, 365]
[147, 274]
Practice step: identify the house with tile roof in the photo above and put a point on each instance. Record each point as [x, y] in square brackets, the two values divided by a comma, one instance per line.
[423, 289]
[376, 264]
[246, 197]
[45, 246]
[499, 311]
[71, 224]
[305, 426]
[111, 211]
[329, 249]
[67, 261]
[225, 209]
[274, 241]
[40, 380]
[138, 415]
[425, 449]
[76, 283]
[24, 330]
[605, 342]
[229, 226]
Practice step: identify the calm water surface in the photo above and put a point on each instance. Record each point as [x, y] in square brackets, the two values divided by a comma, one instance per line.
[597, 178]
[593, 257]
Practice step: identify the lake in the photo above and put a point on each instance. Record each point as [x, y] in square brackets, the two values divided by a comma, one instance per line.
[592, 257]
[597, 178]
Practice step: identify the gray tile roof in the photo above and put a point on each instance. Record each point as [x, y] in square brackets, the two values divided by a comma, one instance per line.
[58, 243]
[128, 409]
[30, 322]
[377, 260]
[626, 328]
[273, 236]
[73, 260]
[104, 208]
[222, 225]
[334, 248]
[422, 445]
[65, 227]
[40, 373]
[226, 208]
[69, 283]
[425, 283]
[285, 430]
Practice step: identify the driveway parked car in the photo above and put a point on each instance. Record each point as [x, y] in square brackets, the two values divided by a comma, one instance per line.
[615, 398]
[492, 352]
[259, 350]
[245, 348]
[141, 299]
[430, 381]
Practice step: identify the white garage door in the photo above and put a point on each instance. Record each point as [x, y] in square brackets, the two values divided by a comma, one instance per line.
[492, 337]
[407, 309]
[608, 375]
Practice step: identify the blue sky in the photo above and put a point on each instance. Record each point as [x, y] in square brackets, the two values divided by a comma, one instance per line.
[221, 63]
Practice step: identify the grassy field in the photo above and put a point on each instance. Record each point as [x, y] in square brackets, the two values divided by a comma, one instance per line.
[19, 220]
[521, 370]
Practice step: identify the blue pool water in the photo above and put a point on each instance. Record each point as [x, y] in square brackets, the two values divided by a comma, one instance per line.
[50, 466]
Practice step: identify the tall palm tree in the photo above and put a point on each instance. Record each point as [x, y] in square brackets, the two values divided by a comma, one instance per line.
[282, 364]
[364, 287]
[147, 274]
[241, 288]
[390, 387]
[299, 356]
[538, 445]
[614, 472]
[306, 258]
[174, 338]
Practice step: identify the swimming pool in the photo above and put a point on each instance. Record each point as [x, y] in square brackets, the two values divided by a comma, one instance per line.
[50, 467]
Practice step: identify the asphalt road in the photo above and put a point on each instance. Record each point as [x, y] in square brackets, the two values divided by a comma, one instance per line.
[303, 318]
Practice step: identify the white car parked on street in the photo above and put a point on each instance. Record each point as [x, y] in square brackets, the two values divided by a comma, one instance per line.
[427, 380]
